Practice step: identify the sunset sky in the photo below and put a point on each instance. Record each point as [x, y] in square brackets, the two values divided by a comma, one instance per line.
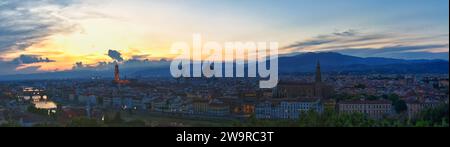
[51, 35]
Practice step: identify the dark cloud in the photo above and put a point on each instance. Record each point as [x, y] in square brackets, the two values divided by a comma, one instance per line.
[140, 57]
[25, 22]
[7, 68]
[324, 39]
[310, 43]
[391, 45]
[11, 67]
[78, 65]
[28, 59]
[388, 50]
[404, 52]
[368, 37]
[136, 64]
[115, 55]
[346, 33]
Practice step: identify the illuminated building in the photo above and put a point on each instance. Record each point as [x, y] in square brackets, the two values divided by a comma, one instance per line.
[117, 79]
[33, 94]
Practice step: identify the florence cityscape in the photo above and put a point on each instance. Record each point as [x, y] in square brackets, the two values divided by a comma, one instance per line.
[79, 63]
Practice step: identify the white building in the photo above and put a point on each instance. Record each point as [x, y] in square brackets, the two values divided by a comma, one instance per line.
[286, 109]
[376, 109]
[415, 108]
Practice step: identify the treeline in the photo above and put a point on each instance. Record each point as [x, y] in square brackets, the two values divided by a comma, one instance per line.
[436, 117]
[110, 121]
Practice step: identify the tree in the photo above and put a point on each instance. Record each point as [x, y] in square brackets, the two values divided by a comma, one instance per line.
[47, 125]
[436, 115]
[392, 97]
[136, 123]
[372, 97]
[115, 121]
[400, 106]
[11, 124]
[344, 96]
[117, 118]
[423, 123]
[360, 86]
[83, 122]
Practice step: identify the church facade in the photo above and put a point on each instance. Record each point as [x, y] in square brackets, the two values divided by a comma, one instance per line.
[316, 89]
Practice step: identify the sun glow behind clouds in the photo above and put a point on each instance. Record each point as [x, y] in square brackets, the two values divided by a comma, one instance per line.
[132, 29]
[89, 44]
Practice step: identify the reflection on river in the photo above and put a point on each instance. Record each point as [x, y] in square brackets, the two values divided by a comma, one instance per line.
[45, 105]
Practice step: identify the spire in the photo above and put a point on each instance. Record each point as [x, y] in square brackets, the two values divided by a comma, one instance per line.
[117, 79]
[318, 73]
[116, 73]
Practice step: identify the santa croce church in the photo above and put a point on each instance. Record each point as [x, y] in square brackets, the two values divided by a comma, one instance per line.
[292, 89]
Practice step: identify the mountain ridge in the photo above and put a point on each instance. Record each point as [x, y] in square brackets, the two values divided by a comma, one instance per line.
[304, 63]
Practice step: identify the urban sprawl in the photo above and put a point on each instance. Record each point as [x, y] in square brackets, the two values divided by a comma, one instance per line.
[170, 101]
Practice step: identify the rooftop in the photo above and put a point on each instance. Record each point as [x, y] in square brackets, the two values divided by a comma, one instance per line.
[366, 102]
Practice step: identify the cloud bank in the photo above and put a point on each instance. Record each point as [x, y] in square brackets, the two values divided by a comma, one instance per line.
[25, 22]
[28, 59]
[353, 42]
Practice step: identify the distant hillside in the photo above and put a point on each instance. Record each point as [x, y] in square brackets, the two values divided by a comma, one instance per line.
[335, 62]
[301, 63]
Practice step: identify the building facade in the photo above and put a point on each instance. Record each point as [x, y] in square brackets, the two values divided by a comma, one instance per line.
[374, 109]
[415, 108]
[286, 109]
[292, 89]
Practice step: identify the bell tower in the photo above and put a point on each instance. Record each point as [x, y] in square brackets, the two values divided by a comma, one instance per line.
[318, 73]
[116, 73]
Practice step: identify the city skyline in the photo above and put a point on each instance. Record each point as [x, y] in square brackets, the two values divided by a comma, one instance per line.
[47, 35]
